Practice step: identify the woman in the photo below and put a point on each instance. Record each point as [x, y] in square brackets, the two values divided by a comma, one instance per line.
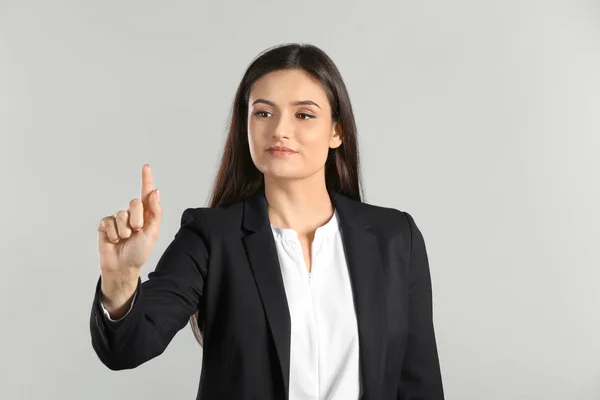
[295, 288]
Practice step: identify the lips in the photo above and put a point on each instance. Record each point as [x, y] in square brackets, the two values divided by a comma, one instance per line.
[280, 151]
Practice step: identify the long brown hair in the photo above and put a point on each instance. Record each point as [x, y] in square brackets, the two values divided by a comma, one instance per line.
[238, 177]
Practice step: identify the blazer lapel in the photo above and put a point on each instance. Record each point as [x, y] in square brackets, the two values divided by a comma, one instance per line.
[366, 276]
[262, 255]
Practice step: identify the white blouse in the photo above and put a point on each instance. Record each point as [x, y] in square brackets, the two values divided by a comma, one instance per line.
[324, 351]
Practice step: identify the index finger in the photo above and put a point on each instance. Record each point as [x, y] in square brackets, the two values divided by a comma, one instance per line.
[147, 185]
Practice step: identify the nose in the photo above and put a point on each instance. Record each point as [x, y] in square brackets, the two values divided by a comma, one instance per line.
[284, 128]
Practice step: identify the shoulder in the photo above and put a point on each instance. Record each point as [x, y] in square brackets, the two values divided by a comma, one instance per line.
[211, 218]
[393, 227]
[378, 217]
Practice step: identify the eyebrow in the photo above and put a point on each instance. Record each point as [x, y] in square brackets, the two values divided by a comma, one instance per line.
[296, 103]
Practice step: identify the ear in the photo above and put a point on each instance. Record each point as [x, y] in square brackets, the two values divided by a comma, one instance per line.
[336, 138]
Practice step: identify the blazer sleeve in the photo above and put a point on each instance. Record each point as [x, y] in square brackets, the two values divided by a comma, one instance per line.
[163, 304]
[420, 376]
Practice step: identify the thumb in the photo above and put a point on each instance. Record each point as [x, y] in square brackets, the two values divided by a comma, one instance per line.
[154, 216]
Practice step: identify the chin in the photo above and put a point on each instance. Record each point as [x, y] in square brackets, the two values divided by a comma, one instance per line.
[281, 172]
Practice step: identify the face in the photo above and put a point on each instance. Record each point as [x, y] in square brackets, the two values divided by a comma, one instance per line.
[290, 129]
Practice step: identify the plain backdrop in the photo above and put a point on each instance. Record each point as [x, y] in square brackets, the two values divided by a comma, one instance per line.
[480, 118]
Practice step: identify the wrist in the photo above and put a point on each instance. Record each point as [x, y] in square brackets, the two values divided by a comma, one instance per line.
[116, 291]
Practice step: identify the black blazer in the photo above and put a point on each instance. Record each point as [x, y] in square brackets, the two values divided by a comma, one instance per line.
[223, 264]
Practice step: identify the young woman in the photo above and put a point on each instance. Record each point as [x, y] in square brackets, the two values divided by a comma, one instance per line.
[295, 287]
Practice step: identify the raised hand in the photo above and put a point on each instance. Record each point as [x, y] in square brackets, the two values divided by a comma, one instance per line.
[125, 240]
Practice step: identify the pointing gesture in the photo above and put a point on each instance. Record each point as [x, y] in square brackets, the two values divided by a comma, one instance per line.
[126, 238]
[152, 212]
[147, 185]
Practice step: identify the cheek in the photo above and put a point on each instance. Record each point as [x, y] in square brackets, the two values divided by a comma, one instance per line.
[316, 146]
[256, 138]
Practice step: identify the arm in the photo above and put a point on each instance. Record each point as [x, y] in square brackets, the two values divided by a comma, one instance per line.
[420, 378]
[163, 304]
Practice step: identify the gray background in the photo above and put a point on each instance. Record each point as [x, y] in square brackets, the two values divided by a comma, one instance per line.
[480, 118]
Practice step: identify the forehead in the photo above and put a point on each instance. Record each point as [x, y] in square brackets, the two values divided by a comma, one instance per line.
[285, 86]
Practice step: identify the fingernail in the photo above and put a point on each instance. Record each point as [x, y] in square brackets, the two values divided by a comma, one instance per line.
[158, 195]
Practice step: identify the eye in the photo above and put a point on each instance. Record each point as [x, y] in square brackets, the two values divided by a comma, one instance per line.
[262, 114]
[305, 116]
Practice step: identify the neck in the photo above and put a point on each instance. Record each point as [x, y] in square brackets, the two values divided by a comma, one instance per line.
[302, 204]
